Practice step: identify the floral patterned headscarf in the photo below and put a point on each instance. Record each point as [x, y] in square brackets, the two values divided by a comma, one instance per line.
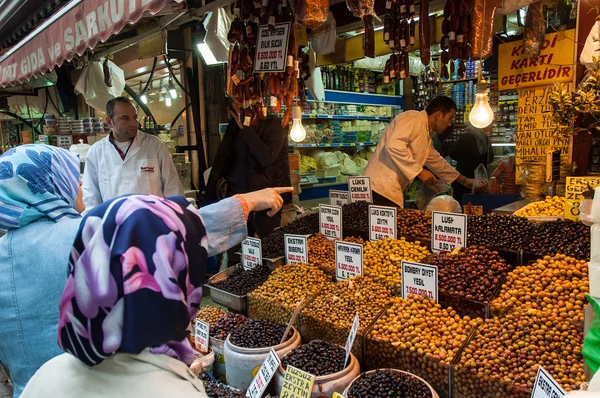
[135, 279]
[37, 181]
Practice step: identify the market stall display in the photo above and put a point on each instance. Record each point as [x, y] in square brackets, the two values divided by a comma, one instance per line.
[226, 324]
[273, 246]
[418, 335]
[210, 314]
[355, 218]
[242, 282]
[499, 232]
[215, 389]
[414, 224]
[321, 252]
[383, 261]
[383, 383]
[561, 236]
[552, 206]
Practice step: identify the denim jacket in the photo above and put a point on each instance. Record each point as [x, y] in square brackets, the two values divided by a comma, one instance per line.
[33, 272]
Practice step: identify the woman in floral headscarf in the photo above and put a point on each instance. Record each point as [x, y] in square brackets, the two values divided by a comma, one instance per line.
[134, 285]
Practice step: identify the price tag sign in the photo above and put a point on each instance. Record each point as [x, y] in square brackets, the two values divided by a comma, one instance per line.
[251, 253]
[545, 386]
[297, 383]
[263, 376]
[351, 337]
[202, 335]
[336, 395]
[382, 222]
[271, 48]
[348, 259]
[577, 189]
[449, 231]
[338, 198]
[419, 279]
[360, 189]
[330, 221]
[296, 249]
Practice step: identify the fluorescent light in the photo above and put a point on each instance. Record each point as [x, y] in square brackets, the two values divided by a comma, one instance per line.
[144, 98]
[208, 56]
[168, 101]
[172, 90]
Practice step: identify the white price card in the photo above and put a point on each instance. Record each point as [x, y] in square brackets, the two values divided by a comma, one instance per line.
[251, 253]
[330, 221]
[348, 259]
[545, 386]
[360, 189]
[338, 198]
[296, 249]
[382, 222]
[271, 48]
[263, 376]
[297, 383]
[419, 279]
[448, 231]
[351, 337]
[202, 335]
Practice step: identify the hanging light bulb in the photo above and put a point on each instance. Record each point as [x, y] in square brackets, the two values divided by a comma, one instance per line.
[161, 97]
[143, 96]
[481, 115]
[172, 89]
[168, 101]
[297, 133]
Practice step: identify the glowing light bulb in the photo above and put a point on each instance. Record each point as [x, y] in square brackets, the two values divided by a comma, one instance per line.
[172, 89]
[297, 132]
[144, 98]
[481, 115]
[168, 101]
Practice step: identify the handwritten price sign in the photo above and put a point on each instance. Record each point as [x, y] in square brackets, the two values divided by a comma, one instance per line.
[251, 253]
[330, 221]
[419, 279]
[448, 231]
[263, 377]
[382, 222]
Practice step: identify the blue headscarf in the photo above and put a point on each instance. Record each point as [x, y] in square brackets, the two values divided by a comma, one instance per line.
[37, 181]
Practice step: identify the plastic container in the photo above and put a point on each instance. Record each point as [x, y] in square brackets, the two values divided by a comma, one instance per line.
[218, 347]
[326, 385]
[203, 363]
[231, 301]
[433, 393]
[242, 364]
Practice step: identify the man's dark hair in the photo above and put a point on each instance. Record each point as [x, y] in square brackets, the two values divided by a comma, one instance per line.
[110, 105]
[441, 104]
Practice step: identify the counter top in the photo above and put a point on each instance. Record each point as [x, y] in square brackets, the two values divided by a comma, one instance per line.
[512, 207]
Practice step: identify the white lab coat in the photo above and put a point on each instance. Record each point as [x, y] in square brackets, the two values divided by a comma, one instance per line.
[405, 147]
[147, 169]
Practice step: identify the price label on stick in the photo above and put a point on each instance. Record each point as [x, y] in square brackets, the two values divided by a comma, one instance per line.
[420, 279]
[360, 189]
[351, 337]
[296, 249]
[382, 222]
[296, 383]
[448, 231]
[545, 386]
[348, 259]
[330, 221]
[338, 198]
[251, 253]
[263, 376]
[202, 335]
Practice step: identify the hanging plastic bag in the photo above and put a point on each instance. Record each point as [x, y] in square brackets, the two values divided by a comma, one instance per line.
[217, 25]
[314, 83]
[80, 149]
[428, 192]
[324, 37]
[591, 48]
[506, 7]
[445, 203]
[311, 13]
[92, 85]
[481, 182]
[591, 343]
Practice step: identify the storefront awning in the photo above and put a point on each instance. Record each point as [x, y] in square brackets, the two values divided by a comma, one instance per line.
[77, 27]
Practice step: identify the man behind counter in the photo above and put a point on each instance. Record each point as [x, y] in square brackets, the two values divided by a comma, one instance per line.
[406, 147]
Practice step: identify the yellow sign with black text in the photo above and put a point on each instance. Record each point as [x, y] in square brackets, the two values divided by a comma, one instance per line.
[297, 383]
[577, 189]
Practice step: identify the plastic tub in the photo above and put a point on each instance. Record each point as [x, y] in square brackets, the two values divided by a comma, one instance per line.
[203, 363]
[433, 393]
[242, 364]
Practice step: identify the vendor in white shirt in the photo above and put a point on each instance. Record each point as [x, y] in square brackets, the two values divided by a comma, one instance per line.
[128, 161]
[406, 147]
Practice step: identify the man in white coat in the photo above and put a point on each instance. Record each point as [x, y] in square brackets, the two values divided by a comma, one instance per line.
[406, 147]
[128, 161]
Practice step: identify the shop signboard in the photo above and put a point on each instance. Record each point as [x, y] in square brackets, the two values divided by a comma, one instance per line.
[382, 222]
[271, 48]
[577, 189]
[201, 335]
[251, 253]
[448, 231]
[554, 64]
[263, 376]
[330, 221]
[419, 279]
[296, 249]
[360, 189]
[545, 386]
[338, 198]
[297, 383]
[351, 337]
[348, 259]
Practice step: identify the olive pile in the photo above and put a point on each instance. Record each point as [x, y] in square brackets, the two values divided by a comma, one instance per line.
[330, 316]
[557, 284]
[226, 324]
[383, 261]
[287, 286]
[273, 244]
[210, 314]
[258, 333]
[243, 282]
[419, 336]
[499, 232]
[214, 389]
[355, 216]
[503, 357]
[321, 252]
[318, 358]
[472, 273]
[384, 383]
[561, 236]
[415, 224]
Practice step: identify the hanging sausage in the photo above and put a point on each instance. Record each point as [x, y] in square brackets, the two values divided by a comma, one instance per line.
[364, 9]
[482, 37]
